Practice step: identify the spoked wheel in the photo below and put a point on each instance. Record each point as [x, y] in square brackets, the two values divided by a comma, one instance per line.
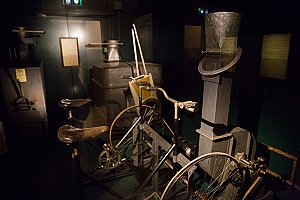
[108, 160]
[211, 176]
[127, 140]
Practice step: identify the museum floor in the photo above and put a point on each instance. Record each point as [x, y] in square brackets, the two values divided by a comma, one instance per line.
[42, 168]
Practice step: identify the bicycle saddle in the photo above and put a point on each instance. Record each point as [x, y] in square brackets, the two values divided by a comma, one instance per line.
[73, 103]
[70, 134]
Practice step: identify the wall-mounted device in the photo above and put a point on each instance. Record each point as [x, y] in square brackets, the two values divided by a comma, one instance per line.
[24, 37]
[110, 49]
[24, 99]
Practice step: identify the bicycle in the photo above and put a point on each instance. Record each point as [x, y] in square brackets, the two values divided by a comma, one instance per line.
[218, 175]
[137, 140]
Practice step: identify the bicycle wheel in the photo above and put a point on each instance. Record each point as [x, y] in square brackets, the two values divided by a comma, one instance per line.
[128, 140]
[214, 175]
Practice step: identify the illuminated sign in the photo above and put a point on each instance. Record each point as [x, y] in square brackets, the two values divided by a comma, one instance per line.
[202, 11]
[72, 2]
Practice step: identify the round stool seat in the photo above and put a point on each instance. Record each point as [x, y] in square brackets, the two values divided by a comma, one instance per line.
[73, 103]
[70, 134]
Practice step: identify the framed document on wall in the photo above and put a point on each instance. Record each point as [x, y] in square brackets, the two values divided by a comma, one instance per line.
[69, 51]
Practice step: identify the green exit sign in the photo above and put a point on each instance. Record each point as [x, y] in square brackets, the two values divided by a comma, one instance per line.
[72, 2]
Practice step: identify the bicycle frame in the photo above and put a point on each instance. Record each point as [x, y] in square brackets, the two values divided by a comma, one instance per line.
[160, 141]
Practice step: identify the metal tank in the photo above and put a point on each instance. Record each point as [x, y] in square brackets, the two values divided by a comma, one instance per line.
[221, 36]
[109, 89]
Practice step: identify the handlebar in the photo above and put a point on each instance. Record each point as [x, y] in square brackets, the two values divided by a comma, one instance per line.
[187, 105]
[133, 78]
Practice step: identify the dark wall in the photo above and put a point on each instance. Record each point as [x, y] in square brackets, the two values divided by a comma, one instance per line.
[268, 107]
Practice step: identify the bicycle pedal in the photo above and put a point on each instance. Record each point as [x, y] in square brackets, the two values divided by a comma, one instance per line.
[184, 181]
